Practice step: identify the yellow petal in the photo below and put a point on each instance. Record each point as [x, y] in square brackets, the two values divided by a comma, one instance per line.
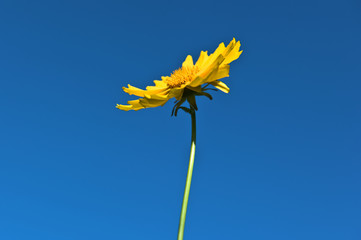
[221, 86]
[188, 62]
[140, 92]
[134, 91]
[219, 73]
[124, 107]
[207, 72]
[164, 78]
[160, 96]
[202, 59]
[142, 103]
[133, 105]
[176, 93]
[233, 54]
[222, 72]
[147, 103]
[216, 54]
[229, 48]
[155, 89]
[160, 83]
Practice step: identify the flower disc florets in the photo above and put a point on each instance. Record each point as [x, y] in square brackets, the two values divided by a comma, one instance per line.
[181, 76]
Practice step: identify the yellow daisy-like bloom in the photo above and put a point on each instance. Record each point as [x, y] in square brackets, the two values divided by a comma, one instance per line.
[186, 82]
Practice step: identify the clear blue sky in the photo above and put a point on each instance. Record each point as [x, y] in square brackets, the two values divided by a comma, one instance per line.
[277, 158]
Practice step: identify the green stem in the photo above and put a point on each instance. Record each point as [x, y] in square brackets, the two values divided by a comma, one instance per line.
[189, 178]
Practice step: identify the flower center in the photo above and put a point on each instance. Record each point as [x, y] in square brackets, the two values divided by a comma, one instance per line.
[181, 76]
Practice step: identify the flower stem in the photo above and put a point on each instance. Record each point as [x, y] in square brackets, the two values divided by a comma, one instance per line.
[189, 178]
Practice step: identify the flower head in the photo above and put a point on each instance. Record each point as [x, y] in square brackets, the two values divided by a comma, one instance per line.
[186, 82]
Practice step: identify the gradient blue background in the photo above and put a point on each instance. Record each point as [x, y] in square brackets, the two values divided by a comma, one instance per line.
[277, 158]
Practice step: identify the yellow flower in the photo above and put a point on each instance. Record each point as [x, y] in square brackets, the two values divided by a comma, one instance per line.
[186, 82]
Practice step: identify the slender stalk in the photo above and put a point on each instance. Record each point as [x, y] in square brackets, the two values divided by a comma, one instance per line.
[189, 178]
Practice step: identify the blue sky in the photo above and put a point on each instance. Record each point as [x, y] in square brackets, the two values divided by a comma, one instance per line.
[277, 158]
